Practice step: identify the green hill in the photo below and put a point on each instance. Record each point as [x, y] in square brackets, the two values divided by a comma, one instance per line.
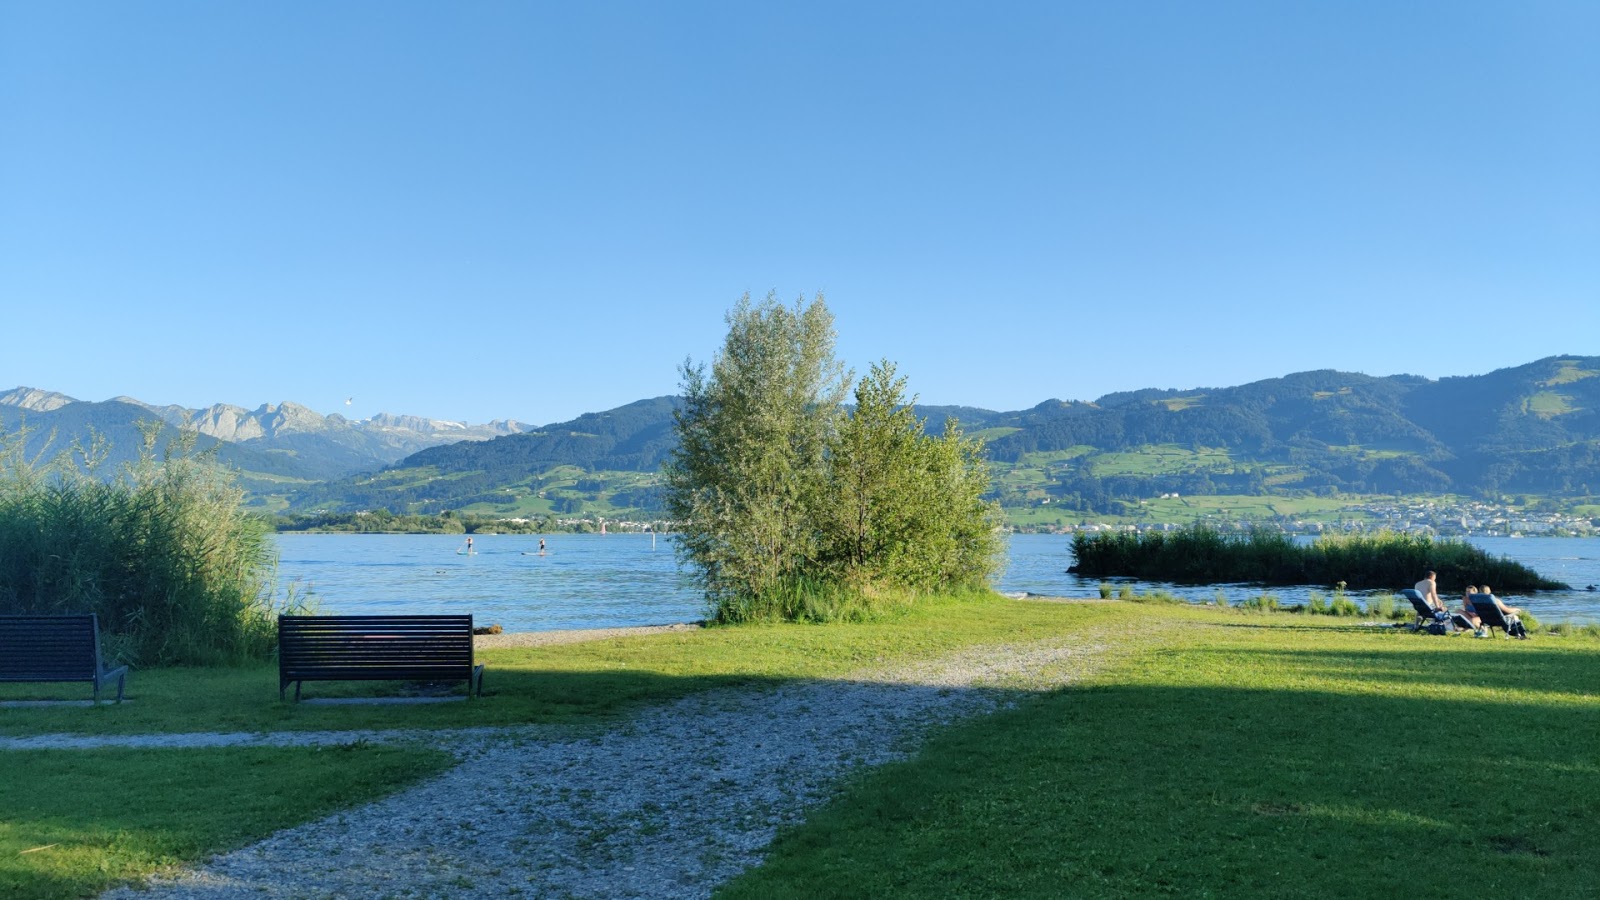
[1533, 428]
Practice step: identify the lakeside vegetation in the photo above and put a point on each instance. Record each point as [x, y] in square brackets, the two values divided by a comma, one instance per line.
[790, 506]
[1214, 744]
[162, 552]
[1199, 555]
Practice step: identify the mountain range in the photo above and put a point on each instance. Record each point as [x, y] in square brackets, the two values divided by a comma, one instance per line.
[1531, 429]
[282, 441]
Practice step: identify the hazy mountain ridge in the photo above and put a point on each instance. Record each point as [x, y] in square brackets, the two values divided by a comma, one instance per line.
[307, 445]
[1532, 428]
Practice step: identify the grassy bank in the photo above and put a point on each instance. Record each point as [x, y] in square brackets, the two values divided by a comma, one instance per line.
[1248, 757]
[1390, 560]
[1221, 752]
[573, 683]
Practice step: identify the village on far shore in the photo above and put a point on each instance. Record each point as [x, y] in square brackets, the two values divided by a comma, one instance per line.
[1439, 517]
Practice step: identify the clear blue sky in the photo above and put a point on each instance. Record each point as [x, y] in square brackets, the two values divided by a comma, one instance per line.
[491, 210]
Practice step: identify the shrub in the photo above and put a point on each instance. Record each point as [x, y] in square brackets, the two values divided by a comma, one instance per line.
[1105, 590]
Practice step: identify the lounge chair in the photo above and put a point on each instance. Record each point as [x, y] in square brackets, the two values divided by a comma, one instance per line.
[1426, 615]
[1490, 615]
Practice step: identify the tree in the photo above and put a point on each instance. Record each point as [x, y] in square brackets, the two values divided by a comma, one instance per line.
[746, 477]
[787, 507]
[905, 509]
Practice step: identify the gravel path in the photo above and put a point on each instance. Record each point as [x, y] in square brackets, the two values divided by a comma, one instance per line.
[674, 802]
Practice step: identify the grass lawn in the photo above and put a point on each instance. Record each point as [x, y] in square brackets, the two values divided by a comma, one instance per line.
[573, 683]
[1246, 757]
[75, 823]
[1219, 753]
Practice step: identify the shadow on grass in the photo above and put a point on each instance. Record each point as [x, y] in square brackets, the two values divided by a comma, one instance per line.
[232, 700]
[1160, 789]
[1507, 667]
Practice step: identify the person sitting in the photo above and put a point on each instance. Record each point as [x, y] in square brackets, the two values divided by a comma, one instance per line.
[1512, 614]
[1466, 617]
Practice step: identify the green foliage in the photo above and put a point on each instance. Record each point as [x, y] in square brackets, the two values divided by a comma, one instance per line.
[1382, 606]
[1105, 590]
[902, 509]
[163, 553]
[747, 477]
[785, 505]
[1199, 554]
[1261, 603]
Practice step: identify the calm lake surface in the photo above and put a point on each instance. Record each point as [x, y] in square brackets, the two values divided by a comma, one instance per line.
[601, 581]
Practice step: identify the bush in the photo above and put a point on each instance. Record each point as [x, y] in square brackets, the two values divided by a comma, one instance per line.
[163, 553]
[1381, 606]
[1105, 590]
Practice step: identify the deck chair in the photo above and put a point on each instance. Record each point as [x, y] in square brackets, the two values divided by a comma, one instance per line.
[1426, 615]
[1490, 615]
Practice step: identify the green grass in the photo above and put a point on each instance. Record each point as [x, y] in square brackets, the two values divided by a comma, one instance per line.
[1569, 372]
[1219, 752]
[1548, 404]
[1166, 459]
[573, 683]
[1248, 757]
[82, 821]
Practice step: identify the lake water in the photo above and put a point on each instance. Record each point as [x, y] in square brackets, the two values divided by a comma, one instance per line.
[599, 581]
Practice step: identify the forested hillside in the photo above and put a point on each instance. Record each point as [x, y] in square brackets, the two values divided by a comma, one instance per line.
[1533, 428]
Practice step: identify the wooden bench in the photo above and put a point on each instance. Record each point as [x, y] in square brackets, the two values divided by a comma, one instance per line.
[376, 648]
[55, 648]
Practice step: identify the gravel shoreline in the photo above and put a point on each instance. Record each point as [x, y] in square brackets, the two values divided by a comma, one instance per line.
[670, 804]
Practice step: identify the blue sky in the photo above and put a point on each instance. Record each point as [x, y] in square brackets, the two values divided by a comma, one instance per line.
[529, 211]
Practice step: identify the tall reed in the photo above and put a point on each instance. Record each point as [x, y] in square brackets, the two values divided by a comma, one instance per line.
[161, 550]
[1386, 559]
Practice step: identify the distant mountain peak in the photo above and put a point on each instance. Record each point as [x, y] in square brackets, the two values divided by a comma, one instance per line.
[34, 400]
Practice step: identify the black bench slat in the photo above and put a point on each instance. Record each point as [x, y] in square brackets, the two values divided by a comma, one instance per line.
[55, 648]
[376, 648]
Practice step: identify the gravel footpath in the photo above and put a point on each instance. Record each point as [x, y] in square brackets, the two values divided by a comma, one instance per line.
[668, 805]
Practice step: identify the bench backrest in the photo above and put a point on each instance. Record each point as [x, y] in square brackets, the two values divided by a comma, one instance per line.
[374, 647]
[49, 648]
[1487, 610]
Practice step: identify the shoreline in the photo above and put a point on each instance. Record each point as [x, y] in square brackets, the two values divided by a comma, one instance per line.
[574, 636]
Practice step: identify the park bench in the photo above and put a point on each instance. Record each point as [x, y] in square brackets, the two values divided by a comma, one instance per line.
[55, 648]
[376, 648]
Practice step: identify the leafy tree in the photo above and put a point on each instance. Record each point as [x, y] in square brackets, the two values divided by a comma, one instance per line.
[788, 507]
[748, 471]
[905, 509]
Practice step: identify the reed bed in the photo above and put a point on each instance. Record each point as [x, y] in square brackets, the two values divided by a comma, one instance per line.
[161, 550]
[1201, 555]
